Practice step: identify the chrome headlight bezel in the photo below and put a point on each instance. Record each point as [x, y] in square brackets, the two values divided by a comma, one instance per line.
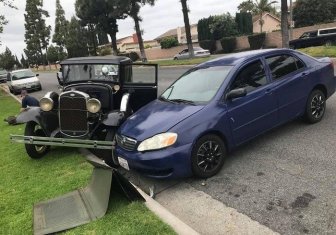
[46, 104]
[93, 105]
[159, 141]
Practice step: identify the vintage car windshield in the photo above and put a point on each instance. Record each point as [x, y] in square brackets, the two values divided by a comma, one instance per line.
[198, 86]
[84, 72]
[17, 75]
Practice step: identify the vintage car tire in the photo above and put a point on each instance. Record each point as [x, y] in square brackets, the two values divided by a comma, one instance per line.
[315, 107]
[213, 149]
[35, 151]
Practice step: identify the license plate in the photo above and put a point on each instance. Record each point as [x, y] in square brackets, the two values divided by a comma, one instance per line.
[123, 163]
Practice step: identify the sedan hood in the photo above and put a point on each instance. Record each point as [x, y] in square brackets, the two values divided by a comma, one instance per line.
[25, 81]
[156, 117]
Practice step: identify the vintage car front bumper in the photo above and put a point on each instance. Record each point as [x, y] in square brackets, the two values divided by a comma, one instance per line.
[65, 142]
[169, 163]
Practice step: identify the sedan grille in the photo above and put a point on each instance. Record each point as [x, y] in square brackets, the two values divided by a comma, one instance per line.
[73, 114]
[126, 142]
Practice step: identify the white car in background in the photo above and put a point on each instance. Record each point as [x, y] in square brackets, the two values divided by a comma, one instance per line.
[23, 79]
[198, 52]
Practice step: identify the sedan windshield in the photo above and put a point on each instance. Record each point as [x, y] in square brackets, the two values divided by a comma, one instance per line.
[22, 74]
[84, 72]
[198, 86]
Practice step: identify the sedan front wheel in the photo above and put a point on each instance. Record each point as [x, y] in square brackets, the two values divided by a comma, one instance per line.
[208, 156]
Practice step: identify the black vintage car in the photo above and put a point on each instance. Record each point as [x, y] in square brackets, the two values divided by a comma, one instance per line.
[98, 94]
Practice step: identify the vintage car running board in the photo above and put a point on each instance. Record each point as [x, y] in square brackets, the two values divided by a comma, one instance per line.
[65, 142]
[83, 205]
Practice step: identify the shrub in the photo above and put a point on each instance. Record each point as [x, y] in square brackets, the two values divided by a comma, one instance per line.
[105, 51]
[208, 45]
[132, 55]
[228, 44]
[257, 41]
[170, 42]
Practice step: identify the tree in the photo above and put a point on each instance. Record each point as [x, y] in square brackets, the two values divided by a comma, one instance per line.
[76, 42]
[3, 21]
[311, 12]
[261, 7]
[223, 26]
[247, 6]
[102, 38]
[185, 11]
[24, 62]
[37, 33]
[61, 23]
[284, 24]
[244, 23]
[52, 54]
[135, 6]
[7, 60]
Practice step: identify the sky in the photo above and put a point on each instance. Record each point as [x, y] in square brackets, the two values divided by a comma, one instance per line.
[165, 15]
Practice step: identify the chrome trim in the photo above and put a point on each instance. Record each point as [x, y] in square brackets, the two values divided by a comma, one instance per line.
[124, 102]
[75, 143]
[87, 97]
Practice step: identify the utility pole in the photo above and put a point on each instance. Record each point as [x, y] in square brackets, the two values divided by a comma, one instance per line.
[291, 20]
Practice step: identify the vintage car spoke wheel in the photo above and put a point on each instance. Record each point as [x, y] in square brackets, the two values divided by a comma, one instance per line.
[208, 156]
[35, 151]
[316, 106]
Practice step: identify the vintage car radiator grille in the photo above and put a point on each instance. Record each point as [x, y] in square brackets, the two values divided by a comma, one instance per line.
[126, 142]
[73, 115]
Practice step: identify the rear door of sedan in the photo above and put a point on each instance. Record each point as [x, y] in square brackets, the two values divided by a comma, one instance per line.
[256, 112]
[289, 75]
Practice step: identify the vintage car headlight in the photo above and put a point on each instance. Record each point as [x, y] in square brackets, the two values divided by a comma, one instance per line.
[93, 105]
[46, 104]
[158, 142]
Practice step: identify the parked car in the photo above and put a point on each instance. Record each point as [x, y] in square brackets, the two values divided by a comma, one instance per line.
[23, 79]
[198, 52]
[314, 38]
[219, 105]
[3, 76]
[98, 94]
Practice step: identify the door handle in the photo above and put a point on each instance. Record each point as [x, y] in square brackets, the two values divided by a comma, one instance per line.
[269, 92]
[304, 74]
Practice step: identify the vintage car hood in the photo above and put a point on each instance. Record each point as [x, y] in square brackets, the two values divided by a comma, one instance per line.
[156, 117]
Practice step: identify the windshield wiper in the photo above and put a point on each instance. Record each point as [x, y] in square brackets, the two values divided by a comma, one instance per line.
[165, 99]
[183, 101]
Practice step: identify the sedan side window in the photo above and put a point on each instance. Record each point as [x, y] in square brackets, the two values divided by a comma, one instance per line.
[283, 65]
[250, 77]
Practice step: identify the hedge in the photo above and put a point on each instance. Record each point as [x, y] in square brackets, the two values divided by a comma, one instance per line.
[208, 45]
[170, 42]
[257, 41]
[132, 55]
[228, 44]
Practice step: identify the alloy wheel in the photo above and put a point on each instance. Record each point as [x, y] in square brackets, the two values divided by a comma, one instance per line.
[209, 156]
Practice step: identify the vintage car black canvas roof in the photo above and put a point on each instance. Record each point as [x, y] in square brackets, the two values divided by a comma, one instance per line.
[98, 60]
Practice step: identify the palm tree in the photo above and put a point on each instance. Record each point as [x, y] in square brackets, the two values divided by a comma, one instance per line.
[135, 6]
[262, 6]
[284, 23]
[185, 11]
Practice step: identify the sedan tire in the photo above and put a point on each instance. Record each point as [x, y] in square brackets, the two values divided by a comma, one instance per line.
[208, 156]
[316, 106]
[35, 151]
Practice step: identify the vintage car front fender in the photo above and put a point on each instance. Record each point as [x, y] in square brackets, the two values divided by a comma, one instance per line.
[47, 120]
[114, 118]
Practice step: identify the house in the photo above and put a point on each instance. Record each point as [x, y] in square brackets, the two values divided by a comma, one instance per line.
[180, 34]
[131, 43]
[271, 23]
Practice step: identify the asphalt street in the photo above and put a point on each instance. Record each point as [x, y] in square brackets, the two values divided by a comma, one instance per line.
[285, 179]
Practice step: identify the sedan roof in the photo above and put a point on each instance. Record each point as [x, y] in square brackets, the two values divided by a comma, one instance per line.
[237, 58]
[98, 60]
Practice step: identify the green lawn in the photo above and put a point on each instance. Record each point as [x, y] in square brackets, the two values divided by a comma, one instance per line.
[321, 51]
[24, 181]
[172, 62]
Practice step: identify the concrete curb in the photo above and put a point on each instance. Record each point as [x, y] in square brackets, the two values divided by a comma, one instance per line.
[7, 91]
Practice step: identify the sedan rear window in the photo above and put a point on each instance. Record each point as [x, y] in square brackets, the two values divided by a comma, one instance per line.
[283, 65]
[199, 85]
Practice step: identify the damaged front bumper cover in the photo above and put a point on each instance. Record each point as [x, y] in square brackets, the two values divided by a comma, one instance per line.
[64, 142]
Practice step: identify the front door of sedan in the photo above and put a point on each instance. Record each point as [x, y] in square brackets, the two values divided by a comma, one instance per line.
[257, 111]
[141, 81]
[289, 79]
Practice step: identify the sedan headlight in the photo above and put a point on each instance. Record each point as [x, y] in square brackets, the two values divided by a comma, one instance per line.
[93, 105]
[46, 104]
[158, 142]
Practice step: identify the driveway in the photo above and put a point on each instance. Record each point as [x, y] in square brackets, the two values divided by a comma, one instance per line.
[285, 179]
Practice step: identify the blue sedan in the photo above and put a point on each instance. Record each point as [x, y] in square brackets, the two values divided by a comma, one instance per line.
[219, 105]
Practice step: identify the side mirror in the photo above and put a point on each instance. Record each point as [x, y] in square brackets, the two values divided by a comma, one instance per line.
[37, 75]
[236, 93]
[60, 78]
[124, 102]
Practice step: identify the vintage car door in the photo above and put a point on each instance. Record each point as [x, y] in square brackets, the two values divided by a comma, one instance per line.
[141, 81]
[256, 112]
